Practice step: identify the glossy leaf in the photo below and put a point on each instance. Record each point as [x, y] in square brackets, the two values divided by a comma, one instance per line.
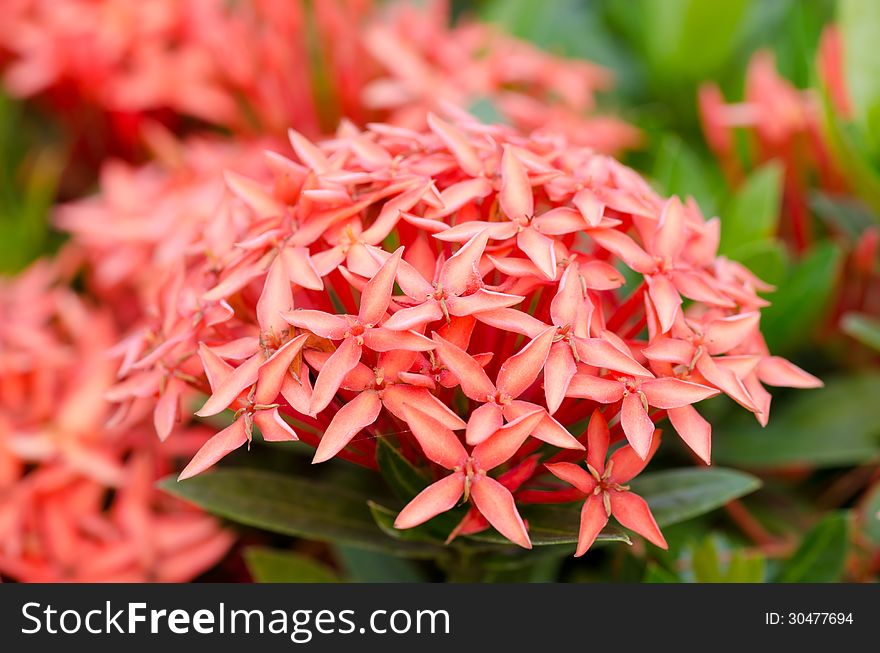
[675, 495]
[291, 506]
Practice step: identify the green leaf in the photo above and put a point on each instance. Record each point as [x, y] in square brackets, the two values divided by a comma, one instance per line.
[869, 515]
[292, 506]
[821, 555]
[705, 562]
[752, 215]
[746, 568]
[485, 110]
[688, 40]
[404, 478]
[713, 561]
[274, 566]
[863, 328]
[365, 566]
[850, 153]
[801, 299]
[675, 495]
[678, 170]
[859, 23]
[768, 260]
[833, 426]
[654, 573]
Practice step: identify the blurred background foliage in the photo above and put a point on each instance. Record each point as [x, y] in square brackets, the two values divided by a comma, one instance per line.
[815, 517]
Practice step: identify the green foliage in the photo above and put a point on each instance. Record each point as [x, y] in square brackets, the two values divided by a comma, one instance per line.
[836, 425]
[712, 561]
[676, 495]
[860, 29]
[751, 216]
[274, 566]
[292, 506]
[28, 184]
[821, 556]
[801, 299]
[688, 40]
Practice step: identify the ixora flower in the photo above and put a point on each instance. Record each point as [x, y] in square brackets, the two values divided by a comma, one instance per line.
[604, 486]
[463, 283]
[77, 497]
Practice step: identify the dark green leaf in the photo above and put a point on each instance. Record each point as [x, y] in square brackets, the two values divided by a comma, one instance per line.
[752, 215]
[291, 506]
[801, 299]
[401, 475]
[675, 495]
[822, 554]
[836, 425]
[274, 566]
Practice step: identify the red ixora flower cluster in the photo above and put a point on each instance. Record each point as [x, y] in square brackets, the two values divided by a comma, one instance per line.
[482, 290]
[307, 64]
[77, 491]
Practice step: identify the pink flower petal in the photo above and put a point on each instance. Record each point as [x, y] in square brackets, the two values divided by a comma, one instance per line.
[775, 370]
[693, 429]
[519, 371]
[242, 377]
[496, 504]
[273, 427]
[669, 392]
[506, 440]
[430, 502]
[473, 379]
[559, 368]
[724, 334]
[333, 327]
[548, 429]
[396, 396]
[665, 298]
[333, 373]
[540, 249]
[382, 340]
[377, 294]
[590, 386]
[515, 197]
[272, 372]
[483, 422]
[598, 352]
[593, 520]
[354, 416]
[637, 426]
[633, 513]
[223, 443]
[438, 442]
[573, 475]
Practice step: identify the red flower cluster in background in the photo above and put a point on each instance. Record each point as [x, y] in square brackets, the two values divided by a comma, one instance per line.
[79, 502]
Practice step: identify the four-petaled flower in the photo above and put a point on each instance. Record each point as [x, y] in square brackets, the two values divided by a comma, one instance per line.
[604, 486]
